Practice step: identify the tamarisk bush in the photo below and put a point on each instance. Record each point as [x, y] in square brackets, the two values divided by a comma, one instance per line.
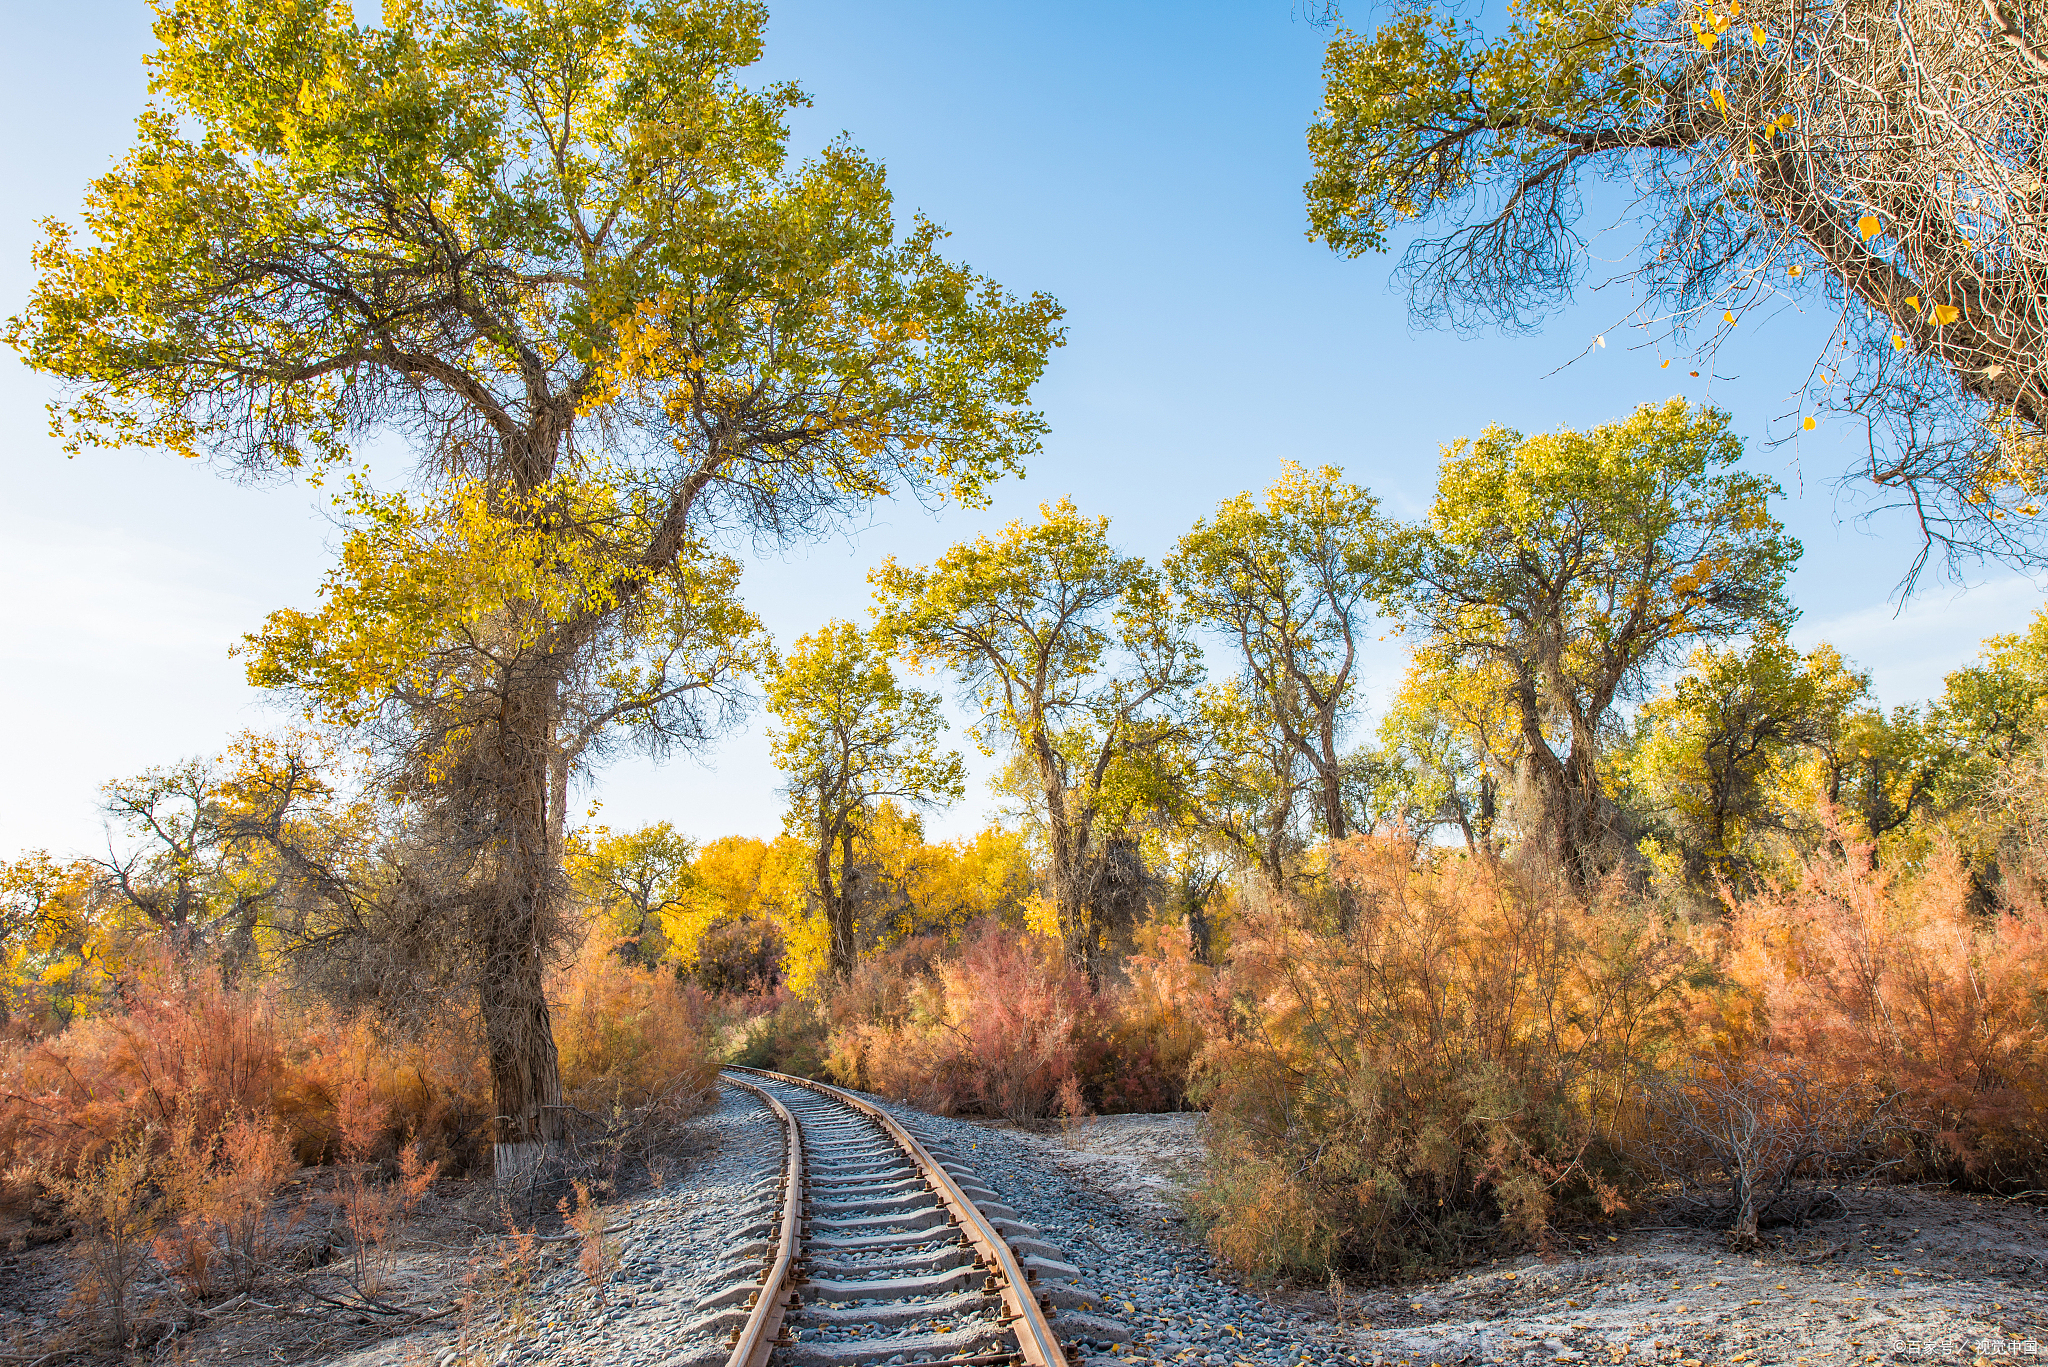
[1452, 1065]
[1904, 985]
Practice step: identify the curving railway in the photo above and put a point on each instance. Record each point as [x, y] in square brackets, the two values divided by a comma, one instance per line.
[880, 1249]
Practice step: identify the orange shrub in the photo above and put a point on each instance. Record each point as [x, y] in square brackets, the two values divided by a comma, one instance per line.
[183, 1053]
[1150, 1031]
[220, 1186]
[1002, 1025]
[779, 1031]
[1448, 1068]
[993, 1028]
[189, 1057]
[1898, 986]
[631, 1036]
[358, 1088]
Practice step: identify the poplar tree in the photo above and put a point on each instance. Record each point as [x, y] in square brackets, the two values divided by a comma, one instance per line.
[851, 736]
[558, 250]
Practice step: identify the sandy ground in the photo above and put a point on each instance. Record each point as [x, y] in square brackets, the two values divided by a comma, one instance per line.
[447, 1286]
[1907, 1275]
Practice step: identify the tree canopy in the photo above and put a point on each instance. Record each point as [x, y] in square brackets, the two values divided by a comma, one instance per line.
[1577, 562]
[1069, 650]
[1291, 578]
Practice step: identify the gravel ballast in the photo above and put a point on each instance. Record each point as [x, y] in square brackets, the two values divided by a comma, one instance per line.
[1903, 1277]
[674, 1249]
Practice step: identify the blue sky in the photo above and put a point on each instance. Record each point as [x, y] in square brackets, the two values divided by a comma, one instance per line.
[1141, 162]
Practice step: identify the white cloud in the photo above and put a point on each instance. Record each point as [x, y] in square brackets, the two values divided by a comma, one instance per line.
[1909, 653]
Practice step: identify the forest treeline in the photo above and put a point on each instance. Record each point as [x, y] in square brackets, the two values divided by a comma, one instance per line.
[1440, 974]
[1612, 867]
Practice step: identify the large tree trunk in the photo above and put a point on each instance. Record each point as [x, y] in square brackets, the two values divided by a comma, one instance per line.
[1330, 789]
[1581, 831]
[1069, 841]
[1547, 774]
[1070, 893]
[838, 902]
[516, 936]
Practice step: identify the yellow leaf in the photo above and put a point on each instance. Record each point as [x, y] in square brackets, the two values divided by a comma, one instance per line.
[1914, 300]
[1728, 315]
[1707, 38]
[1868, 226]
[1898, 342]
[1795, 269]
[1665, 366]
[1720, 102]
[1944, 314]
[1808, 424]
[1757, 34]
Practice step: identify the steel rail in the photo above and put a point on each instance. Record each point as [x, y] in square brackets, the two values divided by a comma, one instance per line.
[759, 1336]
[1036, 1342]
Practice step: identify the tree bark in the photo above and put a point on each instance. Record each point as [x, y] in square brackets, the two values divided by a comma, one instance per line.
[515, 936]
[838, 903]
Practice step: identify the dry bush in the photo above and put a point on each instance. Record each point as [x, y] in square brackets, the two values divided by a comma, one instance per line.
[741, 957]
[1151, 1030]
[781, 1032]
[219, 1185]
[430, 1088]
[631, 1038]
[596, 1254]
[1755, 1142]
[117, 1206]
[1450, 1069]
[183, 1053]
[994, 1028]
[187, 1056]
[374, 1210]
[1888, 984]
[1016, 1008]
[1271, 1221]
[889, 1031]
[1000, 1024]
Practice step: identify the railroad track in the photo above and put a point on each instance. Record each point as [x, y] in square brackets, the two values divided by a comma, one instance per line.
[881, 1249]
